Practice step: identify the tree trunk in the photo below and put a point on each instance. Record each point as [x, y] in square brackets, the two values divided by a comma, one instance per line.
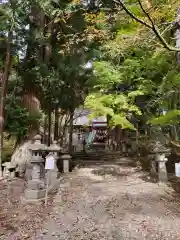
[49, 126]
[3, 92]
[56, 124]
[32, 104]
[71, 132]
[65, 123]
[60, 127]
[45, 130]
[177, 35]
[32, 91]
[62, 135]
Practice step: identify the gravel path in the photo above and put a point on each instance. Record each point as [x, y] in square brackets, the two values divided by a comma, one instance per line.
[114, 203]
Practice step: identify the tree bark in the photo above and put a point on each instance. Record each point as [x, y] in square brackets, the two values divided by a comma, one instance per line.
[3, 92]
[71, 132]
[32, 104]
[65, 123]
[45, 130]
[32, 91]
[49, 126]
[60, 126]
[177, 35]
[56, 124]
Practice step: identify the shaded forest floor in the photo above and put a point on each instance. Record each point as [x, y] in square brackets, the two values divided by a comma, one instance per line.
[105, 201]
[113, 202]
[18, 219]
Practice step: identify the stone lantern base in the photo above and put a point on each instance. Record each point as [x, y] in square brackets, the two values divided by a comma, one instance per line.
[35, 194]
[35, 190]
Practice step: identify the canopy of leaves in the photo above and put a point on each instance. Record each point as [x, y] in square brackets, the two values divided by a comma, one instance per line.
[131, 74]
[133, 63]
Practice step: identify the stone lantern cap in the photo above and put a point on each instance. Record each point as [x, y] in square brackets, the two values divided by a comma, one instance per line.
[158, 147]
[54, 147]
[9, 165]
[37, 145]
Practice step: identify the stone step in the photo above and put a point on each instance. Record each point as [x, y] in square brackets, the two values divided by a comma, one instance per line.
[95, 156]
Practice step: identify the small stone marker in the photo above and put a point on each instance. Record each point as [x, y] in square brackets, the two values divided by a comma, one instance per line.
[177, 169]
[50, 163]
[162, 172]
[65, 158]
[54, 149]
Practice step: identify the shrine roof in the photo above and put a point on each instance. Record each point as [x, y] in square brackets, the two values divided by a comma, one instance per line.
[81, 118]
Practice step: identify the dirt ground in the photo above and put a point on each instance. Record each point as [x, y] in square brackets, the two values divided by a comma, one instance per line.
[112, 202]
[19, 220]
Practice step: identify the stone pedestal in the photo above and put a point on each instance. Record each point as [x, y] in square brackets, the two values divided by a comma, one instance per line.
[66, 159]
[37, 194]
[35, 190]
[36, 187]
[162, 172]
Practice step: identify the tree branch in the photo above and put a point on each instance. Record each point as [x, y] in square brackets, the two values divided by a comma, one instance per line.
[131, 14]
[151, 26]
[155, 29]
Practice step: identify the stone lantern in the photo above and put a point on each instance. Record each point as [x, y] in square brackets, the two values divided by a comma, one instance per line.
[8, 169]
[54, 149]
[161, 154]
[36, 187]
[161, 159]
